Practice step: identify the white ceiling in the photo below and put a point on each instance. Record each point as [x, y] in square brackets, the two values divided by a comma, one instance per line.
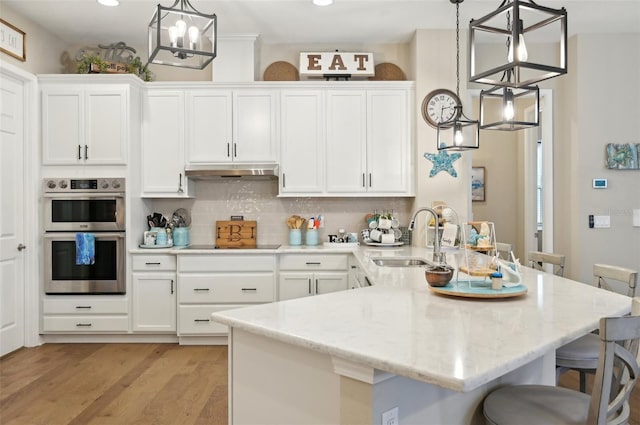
[299, 21]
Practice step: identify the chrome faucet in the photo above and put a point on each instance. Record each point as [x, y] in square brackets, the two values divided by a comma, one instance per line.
[438, 256]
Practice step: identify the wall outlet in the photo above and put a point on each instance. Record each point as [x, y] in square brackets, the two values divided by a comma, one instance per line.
[390, 417]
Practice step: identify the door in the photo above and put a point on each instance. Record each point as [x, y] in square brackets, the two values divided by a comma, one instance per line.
[327, 282]
[63, 137]
[538, 180]
[302, 141]
[254, 126]
[210, 137]
[154, 302]
[387, 141]
[346, 141]
[295, 285]
[106, 122]
[12, 271]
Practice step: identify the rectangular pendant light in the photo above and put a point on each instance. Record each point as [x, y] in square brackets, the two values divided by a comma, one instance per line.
[182, 36]
[504, 108]
[516, 39]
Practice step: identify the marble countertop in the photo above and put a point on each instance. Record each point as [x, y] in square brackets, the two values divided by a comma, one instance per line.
[400, 326]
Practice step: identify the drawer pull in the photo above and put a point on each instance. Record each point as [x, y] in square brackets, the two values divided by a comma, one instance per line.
[309, 286]
[172, 286]
[316, 286]
[83, 325]
[153, 264]
[201, 289]
[202, 320]
[249, 289]
[313, 263]
[83, 307]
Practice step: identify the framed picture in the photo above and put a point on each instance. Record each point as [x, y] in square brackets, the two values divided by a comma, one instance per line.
[13, 41]
[478, 183]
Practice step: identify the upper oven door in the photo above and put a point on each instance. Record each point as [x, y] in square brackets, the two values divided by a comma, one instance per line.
[83, 212]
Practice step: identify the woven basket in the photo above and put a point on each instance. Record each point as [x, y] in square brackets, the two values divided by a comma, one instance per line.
[388, 71]
[281, 71]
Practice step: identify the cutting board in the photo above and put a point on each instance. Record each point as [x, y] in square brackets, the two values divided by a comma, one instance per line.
[236, 234]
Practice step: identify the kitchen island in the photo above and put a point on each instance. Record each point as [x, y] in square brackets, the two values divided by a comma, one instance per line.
[348, 357]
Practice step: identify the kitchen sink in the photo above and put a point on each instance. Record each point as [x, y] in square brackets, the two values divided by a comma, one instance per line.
[400, 262]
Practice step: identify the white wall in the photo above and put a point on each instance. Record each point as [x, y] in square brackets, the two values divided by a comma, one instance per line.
[43, 50]
[601, 105]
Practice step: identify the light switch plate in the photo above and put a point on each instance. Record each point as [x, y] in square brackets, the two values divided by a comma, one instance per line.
[602, 221]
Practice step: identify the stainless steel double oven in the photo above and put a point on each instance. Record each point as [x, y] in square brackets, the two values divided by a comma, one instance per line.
[95, 206]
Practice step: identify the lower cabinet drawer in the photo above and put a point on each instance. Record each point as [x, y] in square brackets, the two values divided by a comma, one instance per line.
[90, 324]
[196, 319]
[84, 305]
[226, 288]
[313, 262]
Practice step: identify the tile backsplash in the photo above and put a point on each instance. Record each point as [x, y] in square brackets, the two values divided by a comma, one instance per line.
[258, 200]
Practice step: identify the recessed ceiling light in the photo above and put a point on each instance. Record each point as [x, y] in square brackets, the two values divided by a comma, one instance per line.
[322, 2]
[109, 2]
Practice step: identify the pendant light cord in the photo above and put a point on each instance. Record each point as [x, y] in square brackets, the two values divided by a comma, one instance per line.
[458, 49]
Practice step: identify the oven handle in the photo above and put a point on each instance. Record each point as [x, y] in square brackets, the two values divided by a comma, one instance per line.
[85, 195]
[72, 235]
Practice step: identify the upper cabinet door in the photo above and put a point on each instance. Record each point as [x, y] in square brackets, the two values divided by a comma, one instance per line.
[62, 125]
[163, 145]
[227, 126]
[254, 126]
[85, 124]
[302, 142]
[107, 125]
[209, 126]
[346, 141]
[388, 142]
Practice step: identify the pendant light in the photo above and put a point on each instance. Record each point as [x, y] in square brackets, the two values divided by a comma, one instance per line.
[460, 133]
[182, 36]
[531, 22]
[503, 107]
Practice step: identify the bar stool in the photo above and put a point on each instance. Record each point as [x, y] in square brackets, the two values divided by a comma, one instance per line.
[582, 354]
[505, 250]
[609, 401]
[538, 259]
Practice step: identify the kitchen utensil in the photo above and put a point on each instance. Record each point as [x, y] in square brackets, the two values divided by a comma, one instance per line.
[184, 217]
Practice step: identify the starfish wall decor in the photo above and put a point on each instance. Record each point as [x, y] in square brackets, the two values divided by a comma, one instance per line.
[442, 161]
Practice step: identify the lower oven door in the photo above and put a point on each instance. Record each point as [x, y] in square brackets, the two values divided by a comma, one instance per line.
[64, 276]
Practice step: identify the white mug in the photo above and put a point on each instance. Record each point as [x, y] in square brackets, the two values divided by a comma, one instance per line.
[384, 223]
[375, 235]
[388, 238]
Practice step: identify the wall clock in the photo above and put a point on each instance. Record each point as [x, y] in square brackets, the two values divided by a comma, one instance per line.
[439, 106]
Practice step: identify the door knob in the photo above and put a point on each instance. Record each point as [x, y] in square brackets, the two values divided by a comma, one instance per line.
[21, 247]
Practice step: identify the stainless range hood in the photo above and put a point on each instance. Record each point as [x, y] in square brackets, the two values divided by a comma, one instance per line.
[204, 171]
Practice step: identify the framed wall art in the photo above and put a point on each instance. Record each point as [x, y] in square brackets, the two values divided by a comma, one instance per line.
[13, 41]
[624, 156]
[478, 184]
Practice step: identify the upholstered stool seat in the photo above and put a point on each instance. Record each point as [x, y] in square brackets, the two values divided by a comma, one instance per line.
[535, 405]
[580, 354]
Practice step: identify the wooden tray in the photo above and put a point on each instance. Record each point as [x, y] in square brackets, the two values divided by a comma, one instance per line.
[236, 234]
[478, 290]
[483, 271]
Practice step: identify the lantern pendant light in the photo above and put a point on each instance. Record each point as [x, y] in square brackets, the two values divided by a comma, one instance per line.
[503, 107]
[460, 133]
[531, 23]
[182, 36]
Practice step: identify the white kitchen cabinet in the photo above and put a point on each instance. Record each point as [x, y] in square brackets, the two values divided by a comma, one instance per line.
[368, 142]
[302, 142]
[84, 314]
[389, 162]
[358, 141]
[163, 146]
[302, 275]
[215, 282]
[154, 288]
[85, 123]
[231, 126]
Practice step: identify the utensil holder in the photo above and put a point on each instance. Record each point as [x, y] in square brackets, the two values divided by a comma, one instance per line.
[312, 237]
[295, 237]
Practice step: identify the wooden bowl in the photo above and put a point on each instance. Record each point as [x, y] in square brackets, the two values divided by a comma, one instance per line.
[438, 275]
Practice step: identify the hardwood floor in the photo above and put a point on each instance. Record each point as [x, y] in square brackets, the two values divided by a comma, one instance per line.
[114, 384]
[118, 384]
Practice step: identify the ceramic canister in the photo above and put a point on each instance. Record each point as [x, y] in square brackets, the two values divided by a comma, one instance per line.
[181, 236]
